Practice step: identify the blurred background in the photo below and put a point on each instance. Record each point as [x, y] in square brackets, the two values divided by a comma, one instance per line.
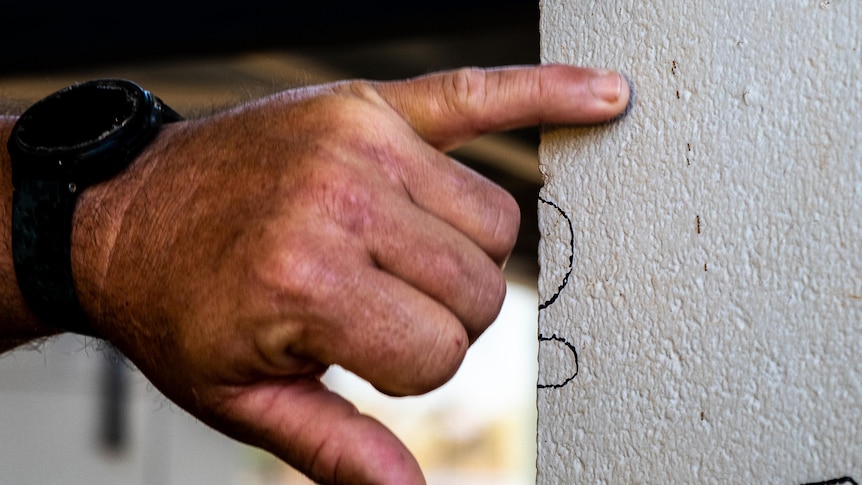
[73, 412]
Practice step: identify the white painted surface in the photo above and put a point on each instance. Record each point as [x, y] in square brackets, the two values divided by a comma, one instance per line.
[715, 294]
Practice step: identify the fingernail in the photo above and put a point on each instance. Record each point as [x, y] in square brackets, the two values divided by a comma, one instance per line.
[607, 85]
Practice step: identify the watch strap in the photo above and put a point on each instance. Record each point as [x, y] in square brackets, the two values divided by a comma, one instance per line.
[43, 264]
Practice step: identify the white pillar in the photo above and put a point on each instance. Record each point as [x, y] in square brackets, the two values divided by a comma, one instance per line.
[702, 259]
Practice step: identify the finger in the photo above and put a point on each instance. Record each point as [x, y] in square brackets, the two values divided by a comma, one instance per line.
[469, 202]
[337, 307]
[400, 340]
[319, 433]
[441, 262]
[450, 108]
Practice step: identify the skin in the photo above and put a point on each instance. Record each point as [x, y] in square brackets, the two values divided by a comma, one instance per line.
[242, 254]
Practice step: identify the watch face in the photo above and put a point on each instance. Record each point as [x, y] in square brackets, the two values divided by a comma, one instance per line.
[84, 133]
[79, 117]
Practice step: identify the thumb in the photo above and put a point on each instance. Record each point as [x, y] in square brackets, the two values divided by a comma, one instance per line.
[450, 108]
[320, 434]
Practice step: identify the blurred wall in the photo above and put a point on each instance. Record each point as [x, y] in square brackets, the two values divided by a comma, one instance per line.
[72, 414]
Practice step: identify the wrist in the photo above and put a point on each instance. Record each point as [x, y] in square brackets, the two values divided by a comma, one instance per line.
[98, 221]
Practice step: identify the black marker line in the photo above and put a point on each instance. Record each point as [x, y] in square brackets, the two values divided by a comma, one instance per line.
[835, 481]
[571, 254]
[574, 352]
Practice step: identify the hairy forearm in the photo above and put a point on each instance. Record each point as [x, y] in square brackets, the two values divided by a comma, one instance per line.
[18, 325]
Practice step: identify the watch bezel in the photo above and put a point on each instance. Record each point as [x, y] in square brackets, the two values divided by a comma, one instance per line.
[124, 130]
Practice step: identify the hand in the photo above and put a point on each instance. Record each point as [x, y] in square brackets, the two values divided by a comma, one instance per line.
[244, 253]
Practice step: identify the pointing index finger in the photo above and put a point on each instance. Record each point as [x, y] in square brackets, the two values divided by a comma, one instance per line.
[450, 108]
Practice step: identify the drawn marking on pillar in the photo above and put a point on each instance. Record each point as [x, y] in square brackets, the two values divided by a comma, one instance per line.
[565, 281]
[554, 339]
[567, 346]
[835, 481]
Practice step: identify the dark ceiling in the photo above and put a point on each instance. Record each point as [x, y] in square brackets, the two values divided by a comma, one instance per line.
[51, 34]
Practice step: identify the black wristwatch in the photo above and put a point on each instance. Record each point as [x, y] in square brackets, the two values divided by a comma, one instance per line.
[74, 138]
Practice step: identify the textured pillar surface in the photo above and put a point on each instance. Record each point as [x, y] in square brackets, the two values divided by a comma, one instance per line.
[701, 286]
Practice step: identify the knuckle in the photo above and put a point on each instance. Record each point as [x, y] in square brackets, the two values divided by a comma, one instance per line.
[290, 273]
[347, 105]
[496, 293]
[359, 89]
[334, 117]
[504, 227]
[295, 278]
[487, 302]
[429, 364]
[337, 197]
[360, 100]
[465, 90]
[349, 206]
[442, 363]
